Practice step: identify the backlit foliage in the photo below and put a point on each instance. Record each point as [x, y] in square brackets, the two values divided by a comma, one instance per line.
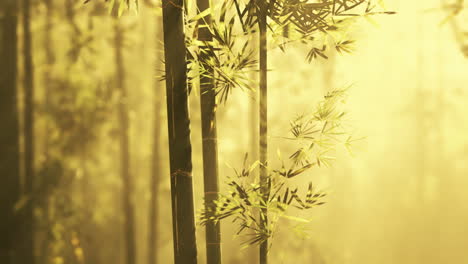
[229, 53]
[316, 134]
[290, 21]
[309, 22]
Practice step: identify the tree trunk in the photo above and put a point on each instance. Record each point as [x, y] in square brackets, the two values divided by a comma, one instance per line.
[263, 146]
[180, 148]
[156, 166]
[9, 134]
[127, 192]
[49, 57]
[209, 139]
[27, 245]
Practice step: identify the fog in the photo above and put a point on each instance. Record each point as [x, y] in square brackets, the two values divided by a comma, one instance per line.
[396, 195]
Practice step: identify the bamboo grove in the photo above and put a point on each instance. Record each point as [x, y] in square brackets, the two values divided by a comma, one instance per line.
[62, 103]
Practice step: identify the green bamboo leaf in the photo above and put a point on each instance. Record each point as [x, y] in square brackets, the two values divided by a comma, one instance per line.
[295, 218]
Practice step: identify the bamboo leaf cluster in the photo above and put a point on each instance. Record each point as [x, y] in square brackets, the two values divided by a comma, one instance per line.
[310, 23]
[244, 202]
[316, 135]
[229, 53]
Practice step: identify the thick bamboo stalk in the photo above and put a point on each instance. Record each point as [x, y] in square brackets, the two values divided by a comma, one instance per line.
[180, 148]
[209, 137]
[9, 136]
